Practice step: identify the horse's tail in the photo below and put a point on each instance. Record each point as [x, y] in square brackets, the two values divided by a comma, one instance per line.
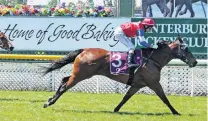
[63, 61]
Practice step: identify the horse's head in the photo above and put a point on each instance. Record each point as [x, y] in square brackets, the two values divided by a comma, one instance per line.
[4, 42]
[181, 51]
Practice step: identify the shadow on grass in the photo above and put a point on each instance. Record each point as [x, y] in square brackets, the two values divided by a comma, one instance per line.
[120, 113]
[16, 99]
[36, 101]
[9, 99]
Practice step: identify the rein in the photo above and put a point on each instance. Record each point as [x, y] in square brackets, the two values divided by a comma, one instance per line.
[148, 59]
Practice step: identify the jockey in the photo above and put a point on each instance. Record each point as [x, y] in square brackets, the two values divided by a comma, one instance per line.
[129, 30]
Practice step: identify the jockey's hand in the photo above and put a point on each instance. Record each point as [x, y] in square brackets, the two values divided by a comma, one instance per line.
[154, 46]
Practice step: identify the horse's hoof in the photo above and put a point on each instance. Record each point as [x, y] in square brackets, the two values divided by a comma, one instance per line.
[181, 13]
[116, 110]
[45, 105]
[176, 113]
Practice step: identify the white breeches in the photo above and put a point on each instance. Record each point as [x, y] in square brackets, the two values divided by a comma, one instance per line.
[119, 35]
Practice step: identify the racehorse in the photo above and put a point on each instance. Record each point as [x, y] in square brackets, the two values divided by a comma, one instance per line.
[5, 43]
[94, 61]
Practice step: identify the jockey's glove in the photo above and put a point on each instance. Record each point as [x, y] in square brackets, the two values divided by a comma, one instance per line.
[154, 46]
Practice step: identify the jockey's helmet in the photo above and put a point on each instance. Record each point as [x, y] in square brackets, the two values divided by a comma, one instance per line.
[148, 22]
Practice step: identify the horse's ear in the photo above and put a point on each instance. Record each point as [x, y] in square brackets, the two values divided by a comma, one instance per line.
[159, 42]
[179, 38]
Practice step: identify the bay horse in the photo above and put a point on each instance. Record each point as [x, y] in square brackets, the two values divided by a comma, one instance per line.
[95, 61]
[5, 43]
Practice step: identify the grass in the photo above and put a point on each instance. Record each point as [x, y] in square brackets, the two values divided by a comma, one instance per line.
[27, 106]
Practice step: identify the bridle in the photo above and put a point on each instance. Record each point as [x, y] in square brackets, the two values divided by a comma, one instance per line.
[170, 54]
[180, 46]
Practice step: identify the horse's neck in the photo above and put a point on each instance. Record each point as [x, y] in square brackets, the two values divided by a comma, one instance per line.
[160, 56]
[163, 56]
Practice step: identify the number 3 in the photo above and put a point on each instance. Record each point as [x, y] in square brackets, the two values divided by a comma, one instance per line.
[118, 59]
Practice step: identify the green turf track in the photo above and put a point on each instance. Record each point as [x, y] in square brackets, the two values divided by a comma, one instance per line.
[27, 106]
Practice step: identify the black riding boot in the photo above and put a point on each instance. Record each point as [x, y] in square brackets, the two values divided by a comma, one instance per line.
[131, 61]
[132, 67]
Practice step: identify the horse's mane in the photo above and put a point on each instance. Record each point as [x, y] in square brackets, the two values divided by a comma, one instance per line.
[160, 43]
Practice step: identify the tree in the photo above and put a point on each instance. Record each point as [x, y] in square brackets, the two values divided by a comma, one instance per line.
[52, 3]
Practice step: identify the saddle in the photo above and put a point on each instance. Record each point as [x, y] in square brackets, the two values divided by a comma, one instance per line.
[119, 61]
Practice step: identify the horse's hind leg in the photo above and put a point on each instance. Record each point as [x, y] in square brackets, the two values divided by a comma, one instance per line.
[64, 80]
[62, 88]
[184, 11]
[178, 9]
[133, 89]
[157, 88]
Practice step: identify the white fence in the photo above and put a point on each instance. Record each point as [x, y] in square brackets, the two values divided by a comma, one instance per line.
[176, 80]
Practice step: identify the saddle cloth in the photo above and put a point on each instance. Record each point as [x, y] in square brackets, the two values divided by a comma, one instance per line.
[119, 61]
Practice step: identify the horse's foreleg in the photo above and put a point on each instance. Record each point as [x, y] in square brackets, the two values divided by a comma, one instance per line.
[157, 88]
[133, 89]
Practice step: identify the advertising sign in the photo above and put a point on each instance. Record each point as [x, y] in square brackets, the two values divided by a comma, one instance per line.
[62, 34]
[192, 31]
